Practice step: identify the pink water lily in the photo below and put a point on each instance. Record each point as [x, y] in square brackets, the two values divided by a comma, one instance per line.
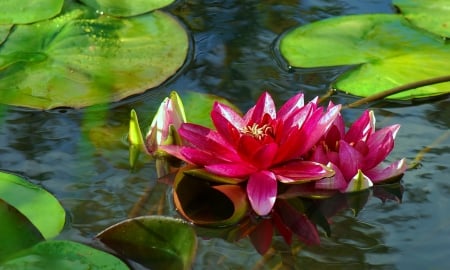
[261, 148]
[357, 155]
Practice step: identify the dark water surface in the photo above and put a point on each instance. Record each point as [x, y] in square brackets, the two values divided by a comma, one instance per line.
[81, 156]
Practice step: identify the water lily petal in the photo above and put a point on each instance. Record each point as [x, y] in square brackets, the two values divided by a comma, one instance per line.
[382, 173]
[264, 106]
[301, 171]
[262, 191]
[380, 144]
[208, 140]
[291, 107]
[199, 157]
[264, 156]
[261, 236]
[359, 182]
[227, 122]
[238, 170]
[350, 160]
[335, 182]
[361, 128]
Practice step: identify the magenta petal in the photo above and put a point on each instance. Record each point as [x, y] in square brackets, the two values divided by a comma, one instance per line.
[298, 171]
[199, 157]
[227, 122]
[382, 173]
[335, 182]
[262, 191]
[361, 128]
[238, 170]
[207, 140]
[380, 144]
[263, 106]
[350, 160]
[264, 156]
[291, 107]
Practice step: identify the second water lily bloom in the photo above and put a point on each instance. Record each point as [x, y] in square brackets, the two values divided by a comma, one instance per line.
[262, 148]
[357, 155]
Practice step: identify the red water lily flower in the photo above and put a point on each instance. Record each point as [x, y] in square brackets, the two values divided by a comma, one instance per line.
[357, 155]
[263, 147]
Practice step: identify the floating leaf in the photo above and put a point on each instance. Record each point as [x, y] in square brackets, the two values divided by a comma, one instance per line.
[73, 60]
[18, 12]
[430, 15]
[126, 7]
[39, 206]
[64, 255]
[209, 205]
[389, 50]
[154, 241]
[16, 231]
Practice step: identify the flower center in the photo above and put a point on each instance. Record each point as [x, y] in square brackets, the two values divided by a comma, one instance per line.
[257, 131]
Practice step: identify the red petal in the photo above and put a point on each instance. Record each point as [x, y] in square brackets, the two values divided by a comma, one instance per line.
[361, 128]
[263, 106]
[300, 171]
[291, 107]
[382, 173]
[227, 122]
[335, 182]
[350, 160]
[239, 170]
[208, 140]
[380, 144]
[262, 191]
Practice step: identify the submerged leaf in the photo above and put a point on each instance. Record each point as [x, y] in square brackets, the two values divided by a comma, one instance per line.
[77, 59]
[39, 206]
[154, 241]
[390, 52]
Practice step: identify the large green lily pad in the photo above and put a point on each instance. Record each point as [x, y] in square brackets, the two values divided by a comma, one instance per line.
[77, 60]
[126, 7]
[39, 206]
[433, 16]
[389, 51]
[15, 12]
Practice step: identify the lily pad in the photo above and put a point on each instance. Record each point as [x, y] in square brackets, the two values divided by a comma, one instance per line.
[389, 52]
[18, 12]
[154, 241]
[73, 60]
[39, 206]
[126, 7]
[17, 232]
[430, 15]
[63, 255]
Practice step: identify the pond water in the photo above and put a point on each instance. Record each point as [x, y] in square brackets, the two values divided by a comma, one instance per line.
[81, 156]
